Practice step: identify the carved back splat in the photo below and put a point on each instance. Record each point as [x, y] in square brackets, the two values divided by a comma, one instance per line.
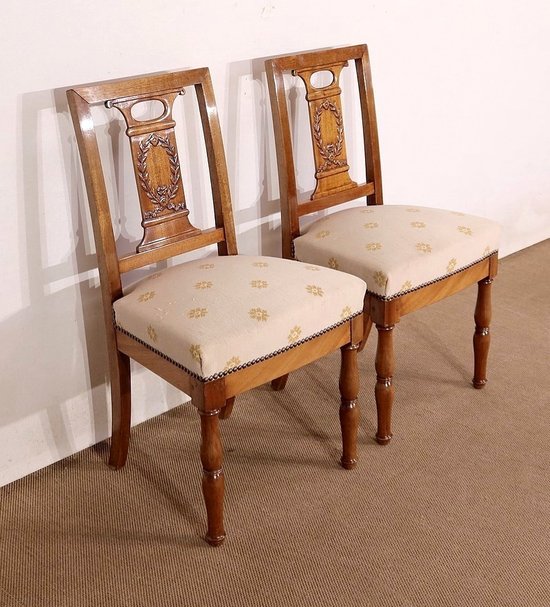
[333, 183]
[327, 131]
[157, 170]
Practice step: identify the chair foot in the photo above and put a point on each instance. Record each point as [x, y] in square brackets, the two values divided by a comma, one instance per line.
[349, 411]
[214, 541]
[384, 392]
[478, 384]
[383, 440]
[279, 383]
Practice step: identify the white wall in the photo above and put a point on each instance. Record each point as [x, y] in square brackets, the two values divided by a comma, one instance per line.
[463, 98]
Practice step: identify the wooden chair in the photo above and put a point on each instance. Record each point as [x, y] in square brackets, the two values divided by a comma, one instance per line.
[409, 256]
[216, 326]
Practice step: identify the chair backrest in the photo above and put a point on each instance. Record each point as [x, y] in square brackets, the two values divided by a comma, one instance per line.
[167, 230]
[334, 185]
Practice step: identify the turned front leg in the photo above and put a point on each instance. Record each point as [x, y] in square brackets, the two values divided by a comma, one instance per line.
[383, 392]
[349, 411]
[212, 476]
[482, 337]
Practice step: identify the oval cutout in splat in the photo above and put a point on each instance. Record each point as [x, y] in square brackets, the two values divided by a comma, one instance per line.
[321, 79]
[146, 111]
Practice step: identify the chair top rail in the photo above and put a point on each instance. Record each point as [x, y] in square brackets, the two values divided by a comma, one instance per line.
[145, 86]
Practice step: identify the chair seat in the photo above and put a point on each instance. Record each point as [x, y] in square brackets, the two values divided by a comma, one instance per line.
[217, 315]
[397, 249]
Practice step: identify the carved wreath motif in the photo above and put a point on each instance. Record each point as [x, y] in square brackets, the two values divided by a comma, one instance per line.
[162, 195]
[330, 151]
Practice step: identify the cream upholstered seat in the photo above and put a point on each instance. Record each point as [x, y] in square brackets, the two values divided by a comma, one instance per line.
[397, 249]
[409, 256]
[218, 315]
[215, 327]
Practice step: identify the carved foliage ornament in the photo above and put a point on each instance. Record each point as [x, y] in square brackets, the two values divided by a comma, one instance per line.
[330, 151]
[162, 195]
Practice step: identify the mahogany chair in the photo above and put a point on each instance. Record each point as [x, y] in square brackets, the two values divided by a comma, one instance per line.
[410, 256]
[213, 327]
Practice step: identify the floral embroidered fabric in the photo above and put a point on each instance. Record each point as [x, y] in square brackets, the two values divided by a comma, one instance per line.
[395, 248]
[219, 314]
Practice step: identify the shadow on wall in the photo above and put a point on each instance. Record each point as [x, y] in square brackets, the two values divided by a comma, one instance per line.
[57, 353]
[249, 136]
[58, 337]
[248, 97]
[55, 360]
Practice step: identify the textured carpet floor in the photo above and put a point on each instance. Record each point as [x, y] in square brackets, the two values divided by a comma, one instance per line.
[455, 511]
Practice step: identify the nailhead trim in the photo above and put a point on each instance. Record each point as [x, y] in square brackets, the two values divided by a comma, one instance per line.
[221, 374]
[433, 281]
[425, 284]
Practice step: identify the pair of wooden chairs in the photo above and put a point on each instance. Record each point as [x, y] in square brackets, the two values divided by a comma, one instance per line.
[218, 326]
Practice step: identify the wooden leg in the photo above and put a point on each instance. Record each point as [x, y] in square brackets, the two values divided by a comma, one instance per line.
[121, 404]
[225, 412]
[367, 326]
[212, 476]
[482, 337]
[279, 383]
[384, 388]
[349, 411]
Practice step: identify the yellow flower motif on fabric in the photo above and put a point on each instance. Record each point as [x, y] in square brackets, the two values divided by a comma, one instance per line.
[451, 265]
[258, 284]
[315, 290]
[258, 314]
[345, 313]
[234, 361]
[156, 275]
[373, 246]
[313, 268]
[197, 313]
[423, 247]
[322, 234]
[152, 333]
[465, 230]
[260, 264]
[333, 263]
[195, 351]
[413, 210]
[380, 278]
[203, 284]
[370, 225]
[458, 213]
[418, 224]
[406, 286]
[294, 334]
[146, 296]
[487, 250]
[206, 266]
[367, 211]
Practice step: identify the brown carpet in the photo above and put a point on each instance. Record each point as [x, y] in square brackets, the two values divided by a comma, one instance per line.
[455, 511]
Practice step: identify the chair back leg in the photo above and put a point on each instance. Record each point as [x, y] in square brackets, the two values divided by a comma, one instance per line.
[349, 411]
[121, 399]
